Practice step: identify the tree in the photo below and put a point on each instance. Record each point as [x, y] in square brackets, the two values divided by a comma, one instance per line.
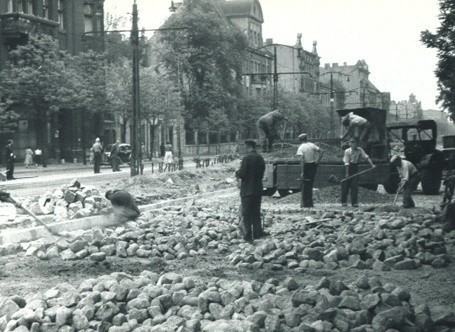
[39, 81]
[206, 57]
[444, 41]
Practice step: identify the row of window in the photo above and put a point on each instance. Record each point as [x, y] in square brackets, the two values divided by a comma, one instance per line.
[92, 19]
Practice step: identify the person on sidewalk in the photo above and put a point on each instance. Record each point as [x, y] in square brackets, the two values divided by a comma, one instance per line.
[97, 149]
[310, 155]
[9, 158]
[38, 155]
[125, 207]
[28, 157]
[250, 173]
[168, 156]
[115, 160]
[410, 178]
[352, 156]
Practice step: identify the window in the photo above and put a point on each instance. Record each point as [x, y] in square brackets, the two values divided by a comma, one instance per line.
[88, 17]
[61, 18]
[30, 7]
[19, 7]
[45, 9]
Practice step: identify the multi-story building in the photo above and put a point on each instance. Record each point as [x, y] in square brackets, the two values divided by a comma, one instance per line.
[78, 26]
[353, 83]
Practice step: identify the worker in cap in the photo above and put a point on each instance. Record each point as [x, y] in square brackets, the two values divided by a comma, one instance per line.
[125, 207]
[409, 175]
[310, 155]
[250, 173]
[356, 126]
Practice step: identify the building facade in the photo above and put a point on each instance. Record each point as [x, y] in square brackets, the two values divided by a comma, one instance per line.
[78, 26]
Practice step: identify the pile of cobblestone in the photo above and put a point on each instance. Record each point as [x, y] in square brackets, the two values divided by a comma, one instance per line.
[170, 302]
[329, 240]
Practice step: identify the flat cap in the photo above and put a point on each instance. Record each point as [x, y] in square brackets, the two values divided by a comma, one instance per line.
[250, 142]
[303, 137]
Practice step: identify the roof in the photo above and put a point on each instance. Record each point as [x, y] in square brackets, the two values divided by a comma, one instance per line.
[242, 8]
[412, 123]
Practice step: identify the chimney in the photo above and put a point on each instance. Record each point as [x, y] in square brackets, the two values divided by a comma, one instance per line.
[345, 64]
[299, 40]
[326, 65]
[269, 41]
[335, 64]
[315, 50]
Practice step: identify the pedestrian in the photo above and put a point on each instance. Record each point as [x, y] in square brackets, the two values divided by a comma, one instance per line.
[310, 154]
[409, 175]
[125, 207]
[162, 150]
[351, 159]
[115, 160]
[168, 156]
[356, 126]
[38, 155]
[250, 173]
[9, 158]
[28, 157]
[97, 149]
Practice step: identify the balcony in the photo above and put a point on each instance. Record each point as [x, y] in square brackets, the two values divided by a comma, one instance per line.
[259, 79]
[18, 25]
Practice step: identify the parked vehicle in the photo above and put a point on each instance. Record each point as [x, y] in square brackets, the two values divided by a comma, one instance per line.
[124, 153]
[419, 140]
[284, 175]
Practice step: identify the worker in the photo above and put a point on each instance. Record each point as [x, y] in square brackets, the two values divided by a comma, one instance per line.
[447, 215]
[9, 158]
[267, 126]
[352, 123]
[352, 156]
[409, 175]
[125, 208]
[310, 154]
[115, 159]
[250, 173]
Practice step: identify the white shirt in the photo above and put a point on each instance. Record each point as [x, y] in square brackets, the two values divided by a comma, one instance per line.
[352, 156]
[357, 120]
[406, 170]
[309, 151]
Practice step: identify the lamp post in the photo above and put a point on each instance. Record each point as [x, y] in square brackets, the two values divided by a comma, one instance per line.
[136, 151]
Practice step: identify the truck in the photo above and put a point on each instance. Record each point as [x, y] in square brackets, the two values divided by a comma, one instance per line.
[284, 175]
[419, 139]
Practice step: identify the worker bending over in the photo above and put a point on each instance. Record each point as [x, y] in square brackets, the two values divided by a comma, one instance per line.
[410, 178]
[125, 208]
[351, 123]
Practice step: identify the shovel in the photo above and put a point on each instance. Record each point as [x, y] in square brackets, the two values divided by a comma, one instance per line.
[334, 180]
[5, 197]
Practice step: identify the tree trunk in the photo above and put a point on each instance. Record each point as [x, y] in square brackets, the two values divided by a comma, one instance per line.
[196, 139]
[152, 139]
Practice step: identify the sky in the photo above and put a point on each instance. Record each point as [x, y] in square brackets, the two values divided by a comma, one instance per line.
[384, 33]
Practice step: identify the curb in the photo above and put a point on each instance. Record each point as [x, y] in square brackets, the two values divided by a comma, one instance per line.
[40, 232]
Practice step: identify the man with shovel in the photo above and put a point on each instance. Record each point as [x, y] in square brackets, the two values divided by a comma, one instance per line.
[410, 178]
[351, 159]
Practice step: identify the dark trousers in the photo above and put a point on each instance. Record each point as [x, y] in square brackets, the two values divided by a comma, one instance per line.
[351, 185]
[408, 189]
[115, 163]
[10, 169]
[251, 210]
[309, 173]
[97, 162]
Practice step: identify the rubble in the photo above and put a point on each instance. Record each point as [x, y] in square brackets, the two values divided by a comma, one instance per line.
[171, 302]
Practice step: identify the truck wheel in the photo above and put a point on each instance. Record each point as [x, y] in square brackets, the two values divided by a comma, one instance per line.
[431, 181]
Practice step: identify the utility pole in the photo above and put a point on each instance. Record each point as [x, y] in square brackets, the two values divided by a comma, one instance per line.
[275, 80]
[332, 105]
[136, 151]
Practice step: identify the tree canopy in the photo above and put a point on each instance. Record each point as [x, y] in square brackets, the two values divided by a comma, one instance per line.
[444, 41]
[207, 56]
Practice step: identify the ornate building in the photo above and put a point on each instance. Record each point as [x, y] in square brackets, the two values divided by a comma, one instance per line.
[78, 26]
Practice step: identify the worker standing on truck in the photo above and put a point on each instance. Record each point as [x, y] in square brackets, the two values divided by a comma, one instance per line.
[351, 160]
[310, 154]
[410, 178]
[267, 126]
[250, 173]
[352, 123]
